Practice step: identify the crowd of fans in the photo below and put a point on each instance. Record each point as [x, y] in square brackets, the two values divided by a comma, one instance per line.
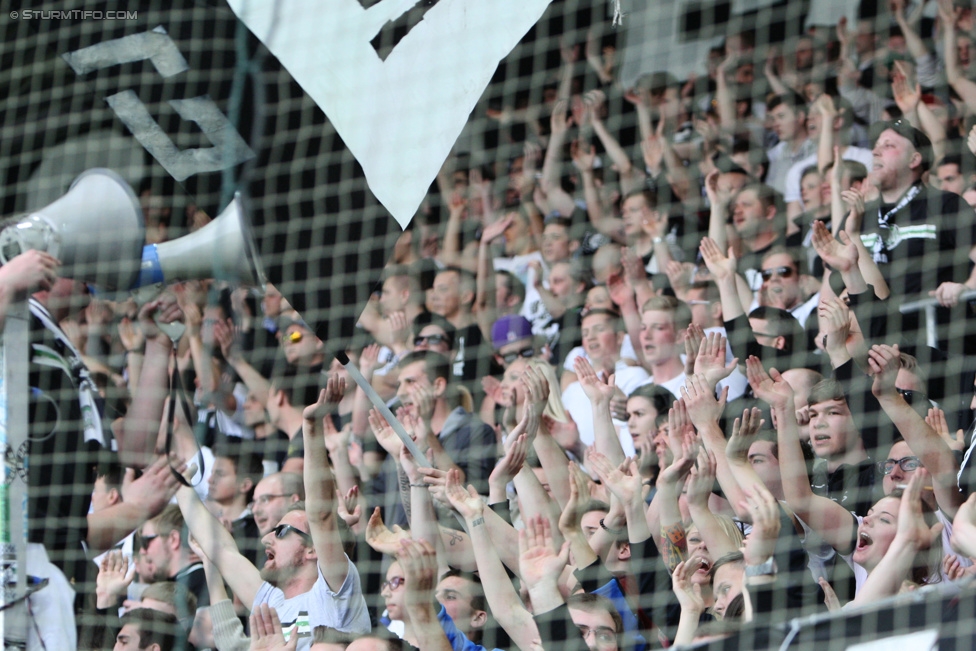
[657, 363]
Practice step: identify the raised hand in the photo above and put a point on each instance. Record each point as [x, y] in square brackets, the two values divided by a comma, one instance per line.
[155, 488]
[224, 335]
[510, 464]
[560, 122]
[583, 154]
[701, 479]
[399, 327]
[634, 270]
[907, 95]
[769, 387]
[382, 539]
[744, 431]
[647, 459]
[621, 292]
[710, 360]
[540, 563]
[266, 631]
[368, 359]
[884, 362]
[536, 391]
[384, 434]
[164, 309]
[114, 577]
[598, 391]
[436, 480]
[689, 595]
[937, 421]
[417, 429]
[566, 434]
[336, 441]
[719, 264]
[699, 399]
[595, 99]
[624, 482]
[841, 256]
[764, 511]
[349, 508]
[418, 560]
[835, 321]
[679, 275]
[31, 271]
[854, 199]
[467, 503]
[328, 400]
[130, 335]
[912, 528]
[493, 388]
[674, 475]
[496, 229]
[579, 499]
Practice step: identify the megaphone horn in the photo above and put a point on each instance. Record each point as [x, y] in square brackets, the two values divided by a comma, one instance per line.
[96, 230]
[223, 249]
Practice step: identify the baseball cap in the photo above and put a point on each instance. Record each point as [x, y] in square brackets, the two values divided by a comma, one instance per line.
[509, 329]
[904, 128]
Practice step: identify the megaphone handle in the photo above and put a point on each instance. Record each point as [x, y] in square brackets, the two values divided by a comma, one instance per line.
[173, 330]
[419, 458]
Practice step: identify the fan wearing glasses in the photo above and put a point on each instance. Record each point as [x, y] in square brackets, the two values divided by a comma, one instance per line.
[512, 338]
[921, 446]
[307, 576]
[782, 288]
[163, 543]
[433, 332]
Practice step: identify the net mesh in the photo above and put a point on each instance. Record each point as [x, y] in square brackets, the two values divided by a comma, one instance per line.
[191, 110]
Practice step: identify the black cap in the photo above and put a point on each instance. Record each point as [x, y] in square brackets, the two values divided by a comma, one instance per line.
[903, 128]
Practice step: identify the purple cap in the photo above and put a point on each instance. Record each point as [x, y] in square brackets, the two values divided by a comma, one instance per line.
[510, 329]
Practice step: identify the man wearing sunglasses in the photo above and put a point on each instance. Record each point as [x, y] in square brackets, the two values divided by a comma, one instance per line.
[307, 577]
[512, 338]
[163, 543]
[301, 346]
[781, 288]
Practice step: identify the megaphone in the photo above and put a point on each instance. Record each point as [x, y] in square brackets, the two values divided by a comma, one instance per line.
[223, 249]
[96, 230]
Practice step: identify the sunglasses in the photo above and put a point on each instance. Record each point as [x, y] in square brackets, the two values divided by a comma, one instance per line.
[907, 464]
[432, 340]
[283, 530]
[910, 395]
[393, 583]
[782, 272]
[145, 540]
[511, 357]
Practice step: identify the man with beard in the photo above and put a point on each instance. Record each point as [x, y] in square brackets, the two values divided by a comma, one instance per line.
[164, 544]
[307, 577]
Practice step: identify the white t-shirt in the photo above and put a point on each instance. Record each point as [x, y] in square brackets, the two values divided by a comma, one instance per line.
[534, 309]
[344, 610]
[673, 385]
